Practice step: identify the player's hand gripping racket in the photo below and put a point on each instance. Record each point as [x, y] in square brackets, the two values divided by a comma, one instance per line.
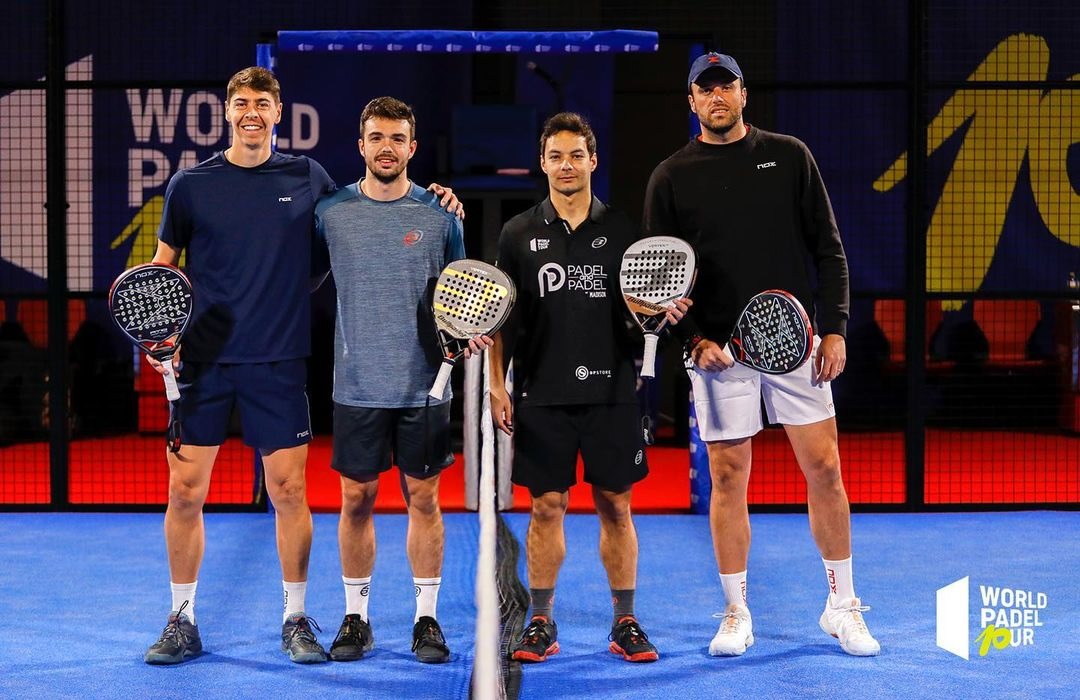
[151, 304]
[471, 298]
[773, 334]
[655, 271]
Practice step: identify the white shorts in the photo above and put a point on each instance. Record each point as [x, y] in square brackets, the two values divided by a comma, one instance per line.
[728, 403]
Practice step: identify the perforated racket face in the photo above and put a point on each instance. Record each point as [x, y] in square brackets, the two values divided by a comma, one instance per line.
[151, 303]
[656, 270]
[773, 333]
[472, 298]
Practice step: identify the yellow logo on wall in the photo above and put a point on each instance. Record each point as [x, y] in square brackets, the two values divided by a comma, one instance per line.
[1004, 126]
[143, 228]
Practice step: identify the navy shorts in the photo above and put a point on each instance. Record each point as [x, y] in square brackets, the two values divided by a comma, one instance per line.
[271, 398]
[368, 441]
[547, 440]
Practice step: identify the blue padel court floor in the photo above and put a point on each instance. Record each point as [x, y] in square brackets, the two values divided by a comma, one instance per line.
[84, 594]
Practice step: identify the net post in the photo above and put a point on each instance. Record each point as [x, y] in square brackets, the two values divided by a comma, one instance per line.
[471, 409]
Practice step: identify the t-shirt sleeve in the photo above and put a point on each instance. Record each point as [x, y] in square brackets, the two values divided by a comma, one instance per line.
[455, 241]
[321, 182]
[175, 228]
[320, 251]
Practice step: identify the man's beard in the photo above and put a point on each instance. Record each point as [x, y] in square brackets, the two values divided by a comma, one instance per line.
[388, 178]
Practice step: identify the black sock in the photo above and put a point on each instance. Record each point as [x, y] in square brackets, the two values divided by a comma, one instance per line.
[543, 600]
[622, 603]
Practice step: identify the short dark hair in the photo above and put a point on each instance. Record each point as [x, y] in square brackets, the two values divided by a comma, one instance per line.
[258, 79]
[572, 122]
[388, 108]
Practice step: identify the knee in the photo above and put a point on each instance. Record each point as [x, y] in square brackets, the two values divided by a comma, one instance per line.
[424, 502]
[288, 493]
[358, 499]
[186, 494]
[728, 476]
[824, 470]
[549, 508]
[613, 509]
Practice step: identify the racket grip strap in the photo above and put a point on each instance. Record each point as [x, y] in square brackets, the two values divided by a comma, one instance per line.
[172, 392]
[648, 360]
[438, 389]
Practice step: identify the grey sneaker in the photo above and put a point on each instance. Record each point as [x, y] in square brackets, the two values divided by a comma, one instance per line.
[353, 640]
[298, 640]
[179, 641]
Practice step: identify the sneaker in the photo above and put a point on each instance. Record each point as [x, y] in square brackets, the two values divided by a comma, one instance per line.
[353, 640]
[843, 619]
[736, 633]
[179, 641]
[539, 640]
[298, 640]
[428, 642]
[627, 638]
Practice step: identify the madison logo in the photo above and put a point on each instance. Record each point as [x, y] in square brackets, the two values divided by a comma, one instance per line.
[413, 237]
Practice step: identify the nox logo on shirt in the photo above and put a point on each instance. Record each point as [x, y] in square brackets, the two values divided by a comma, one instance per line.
[588, 279]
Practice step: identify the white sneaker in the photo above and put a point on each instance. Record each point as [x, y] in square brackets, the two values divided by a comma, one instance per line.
[843, 619]
[735, 633]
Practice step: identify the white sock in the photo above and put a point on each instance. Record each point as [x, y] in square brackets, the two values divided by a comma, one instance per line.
[838, 576]
[182, 592]
[734, 588]
[294, 597]
[356, 596]
[427, 596]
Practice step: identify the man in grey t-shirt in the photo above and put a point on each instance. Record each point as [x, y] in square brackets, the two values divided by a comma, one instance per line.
[388, 240]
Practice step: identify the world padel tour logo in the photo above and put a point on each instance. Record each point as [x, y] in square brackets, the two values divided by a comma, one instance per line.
[1009, 618]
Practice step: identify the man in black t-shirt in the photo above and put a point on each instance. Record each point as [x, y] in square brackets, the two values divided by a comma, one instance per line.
[754, 206]
[573, 383]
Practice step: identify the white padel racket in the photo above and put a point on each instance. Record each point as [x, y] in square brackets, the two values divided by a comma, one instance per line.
[655, 271]
[471, 298]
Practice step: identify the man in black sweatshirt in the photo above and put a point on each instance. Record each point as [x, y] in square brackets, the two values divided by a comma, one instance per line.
[753, 205]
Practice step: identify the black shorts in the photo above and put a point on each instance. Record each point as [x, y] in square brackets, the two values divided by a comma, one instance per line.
[547, 440]
[368, 441]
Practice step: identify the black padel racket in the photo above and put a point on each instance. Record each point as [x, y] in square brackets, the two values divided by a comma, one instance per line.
[152, 306]
[654, 272]
[773, 334]
[471, 298]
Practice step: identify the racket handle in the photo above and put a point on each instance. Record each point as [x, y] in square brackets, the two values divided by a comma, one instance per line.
[172, 392]
[648, 360]
[438, 389]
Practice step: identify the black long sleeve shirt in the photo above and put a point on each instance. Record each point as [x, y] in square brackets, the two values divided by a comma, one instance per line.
[757, 213]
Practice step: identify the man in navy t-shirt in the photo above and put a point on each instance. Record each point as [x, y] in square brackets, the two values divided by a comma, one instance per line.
[246, 219]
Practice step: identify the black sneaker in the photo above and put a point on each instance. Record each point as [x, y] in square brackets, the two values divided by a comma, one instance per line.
[428, 642]
[629, 640]
[299, 640]
[353, 640]
[179, 640]
[539, 640]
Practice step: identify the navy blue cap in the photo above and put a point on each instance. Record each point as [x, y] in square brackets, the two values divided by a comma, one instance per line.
[712, 60]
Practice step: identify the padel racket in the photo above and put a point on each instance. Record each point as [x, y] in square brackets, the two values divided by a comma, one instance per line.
[151, 305]
[773, 334]
[654, 272]
[471, 298]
